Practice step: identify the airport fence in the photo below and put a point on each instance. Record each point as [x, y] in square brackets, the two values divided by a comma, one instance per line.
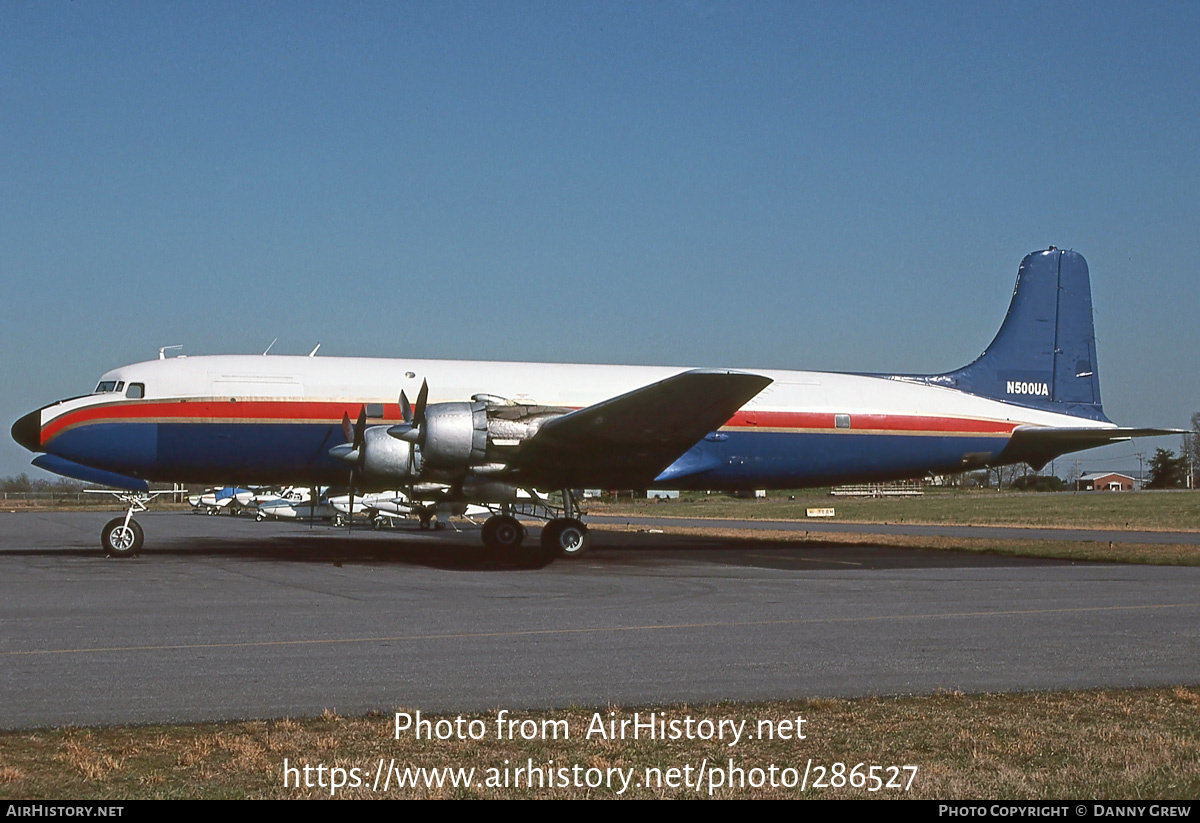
[45, 497]
[71, 498]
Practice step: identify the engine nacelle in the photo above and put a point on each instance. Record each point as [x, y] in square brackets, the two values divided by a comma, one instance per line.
[386, 457]
[463, 435]
[454, 435]
[454, 439]
[511, 425]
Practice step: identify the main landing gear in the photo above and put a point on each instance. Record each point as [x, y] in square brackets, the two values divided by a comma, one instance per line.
[503, 531]
[565, 536]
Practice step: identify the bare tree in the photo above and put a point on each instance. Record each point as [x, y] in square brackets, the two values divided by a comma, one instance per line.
[1005, 475]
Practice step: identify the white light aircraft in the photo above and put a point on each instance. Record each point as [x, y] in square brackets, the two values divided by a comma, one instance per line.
[228, 498]
[383, 508]
[283, 508]
[483, 432]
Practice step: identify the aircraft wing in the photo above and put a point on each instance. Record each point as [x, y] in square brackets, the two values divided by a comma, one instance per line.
[1038, 445]
[629, 440]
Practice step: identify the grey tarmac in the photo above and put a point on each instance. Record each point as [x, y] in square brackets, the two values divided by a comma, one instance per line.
[224, 618]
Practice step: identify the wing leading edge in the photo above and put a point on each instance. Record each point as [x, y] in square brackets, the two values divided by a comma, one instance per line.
[629, 440]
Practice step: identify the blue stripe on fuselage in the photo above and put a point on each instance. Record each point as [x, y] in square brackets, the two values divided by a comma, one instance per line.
[793, 459]
[292, 452]
[125, 448]
[266, 452]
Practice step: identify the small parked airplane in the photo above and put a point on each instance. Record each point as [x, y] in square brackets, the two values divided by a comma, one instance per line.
[388, 507]
[484, 432]
[225, 498]
[286, 508]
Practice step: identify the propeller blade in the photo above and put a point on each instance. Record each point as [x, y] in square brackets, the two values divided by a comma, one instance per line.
[360, 427]
[422, 398]
[346, 429]
[406, 411]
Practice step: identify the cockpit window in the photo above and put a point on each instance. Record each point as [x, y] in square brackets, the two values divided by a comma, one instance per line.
[136, 390]
[106, 386]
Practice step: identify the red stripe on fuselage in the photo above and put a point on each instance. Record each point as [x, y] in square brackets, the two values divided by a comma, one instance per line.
[924, 424]
[331, 411]
[209, 410]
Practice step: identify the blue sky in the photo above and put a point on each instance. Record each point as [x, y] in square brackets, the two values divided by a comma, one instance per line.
[842, 186]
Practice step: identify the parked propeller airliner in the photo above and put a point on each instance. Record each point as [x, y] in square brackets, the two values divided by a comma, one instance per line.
[481, 431]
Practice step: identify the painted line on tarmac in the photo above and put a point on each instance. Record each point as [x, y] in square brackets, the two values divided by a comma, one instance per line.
[804, 559]
[596, 630]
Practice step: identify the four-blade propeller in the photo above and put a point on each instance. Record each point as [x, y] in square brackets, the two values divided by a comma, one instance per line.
[353, 451]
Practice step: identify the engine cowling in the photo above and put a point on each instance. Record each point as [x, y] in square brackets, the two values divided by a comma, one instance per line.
[386, 457]
[454, 435]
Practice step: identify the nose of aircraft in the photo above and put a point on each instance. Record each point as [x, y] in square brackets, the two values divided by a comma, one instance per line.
[28, 431]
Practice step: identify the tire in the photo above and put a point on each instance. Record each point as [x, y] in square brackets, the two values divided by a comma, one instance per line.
[502, 532]
[120, 540]
[565, 537]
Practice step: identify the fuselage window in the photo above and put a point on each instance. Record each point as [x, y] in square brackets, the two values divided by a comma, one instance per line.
[136, 391]
[106, 386]
[120, 386]
[841, 421]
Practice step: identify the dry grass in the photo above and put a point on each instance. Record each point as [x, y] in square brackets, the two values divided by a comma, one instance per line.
[1086, 745]
[1110, 552]
[1156, 511]
[88, 503]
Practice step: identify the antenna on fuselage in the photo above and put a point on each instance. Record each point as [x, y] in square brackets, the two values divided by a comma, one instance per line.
[313, 353]
[162, 353]
[269, 347]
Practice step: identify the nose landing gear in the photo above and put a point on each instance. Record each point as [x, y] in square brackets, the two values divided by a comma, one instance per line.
[123, 536]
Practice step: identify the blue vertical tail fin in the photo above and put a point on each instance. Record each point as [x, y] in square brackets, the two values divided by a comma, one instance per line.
[1044, 355]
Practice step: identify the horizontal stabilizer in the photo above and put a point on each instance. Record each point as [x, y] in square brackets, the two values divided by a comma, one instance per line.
[1038, 445]
[628, 440]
